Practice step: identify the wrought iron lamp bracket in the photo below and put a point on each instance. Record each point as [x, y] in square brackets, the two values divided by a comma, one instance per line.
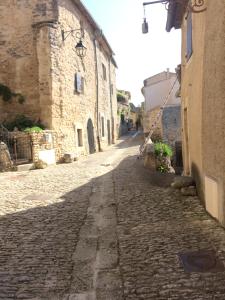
[79, 34]
[194, 6]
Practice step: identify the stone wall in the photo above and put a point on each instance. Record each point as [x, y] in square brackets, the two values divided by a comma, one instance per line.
[149, 119]
[171, 124]
[19, 65]
[26, 147]
[44, 141]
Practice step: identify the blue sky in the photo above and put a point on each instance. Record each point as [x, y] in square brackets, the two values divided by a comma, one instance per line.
[138, 55]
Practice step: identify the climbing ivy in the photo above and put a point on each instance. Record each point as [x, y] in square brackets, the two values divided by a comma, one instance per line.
[7, 94]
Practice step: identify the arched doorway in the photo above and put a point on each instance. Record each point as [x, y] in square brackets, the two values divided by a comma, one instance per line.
[91, 139]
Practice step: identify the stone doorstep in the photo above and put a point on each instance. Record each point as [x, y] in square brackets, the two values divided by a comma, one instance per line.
[24, 167]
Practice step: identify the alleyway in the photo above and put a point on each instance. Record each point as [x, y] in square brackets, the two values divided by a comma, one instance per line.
[103, 228]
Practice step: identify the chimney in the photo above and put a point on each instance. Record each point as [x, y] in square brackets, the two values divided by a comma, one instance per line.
[167, 73]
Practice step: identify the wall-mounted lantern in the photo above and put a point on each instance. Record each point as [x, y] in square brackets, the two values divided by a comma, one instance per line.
[79, 47]
[145, 26]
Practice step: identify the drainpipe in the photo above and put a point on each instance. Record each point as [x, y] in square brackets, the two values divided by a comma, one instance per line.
[97, 91]
[110, 97]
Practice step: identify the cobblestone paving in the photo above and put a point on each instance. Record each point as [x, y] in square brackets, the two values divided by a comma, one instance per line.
[156, 223]
[102, 228]
[49, 224]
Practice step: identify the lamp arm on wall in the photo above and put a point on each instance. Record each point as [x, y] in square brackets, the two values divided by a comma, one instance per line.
[194, 6]
[79, 33]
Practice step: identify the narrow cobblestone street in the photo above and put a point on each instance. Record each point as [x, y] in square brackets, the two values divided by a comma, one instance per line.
[103, 228]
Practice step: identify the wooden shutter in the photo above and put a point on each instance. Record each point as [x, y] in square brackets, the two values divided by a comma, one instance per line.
[189, 36]
[78, 83]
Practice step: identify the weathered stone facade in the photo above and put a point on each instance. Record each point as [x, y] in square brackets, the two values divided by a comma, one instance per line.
[149, 120]
[36, 62]
[31, 147]
[171, 124]
[46, 146]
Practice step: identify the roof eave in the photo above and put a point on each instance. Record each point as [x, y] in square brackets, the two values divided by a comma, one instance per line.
[88, 15]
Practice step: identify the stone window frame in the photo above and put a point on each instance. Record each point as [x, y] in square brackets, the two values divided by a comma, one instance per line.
[78, 83]
[79, 126]
[102, 126]
[80, 141]
[104, 75]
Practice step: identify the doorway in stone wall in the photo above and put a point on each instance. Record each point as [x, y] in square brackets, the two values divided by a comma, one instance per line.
[109, 132]
[91, 139]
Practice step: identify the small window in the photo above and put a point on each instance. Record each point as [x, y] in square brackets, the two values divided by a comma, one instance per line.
[103, 127]
[189, 49]
[79, 83]
[104, 72]
[111, 88]
[79, 138]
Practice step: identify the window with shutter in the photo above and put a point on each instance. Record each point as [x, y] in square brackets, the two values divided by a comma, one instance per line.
[79, 83]
[189, 36]
[104, 72]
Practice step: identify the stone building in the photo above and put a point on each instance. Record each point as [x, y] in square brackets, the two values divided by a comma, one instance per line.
[135, 115]
[203, 96]
[74, 97]
[156, 90]
[123, 111]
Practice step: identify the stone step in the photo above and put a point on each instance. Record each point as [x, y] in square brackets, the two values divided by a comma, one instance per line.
[25, 167]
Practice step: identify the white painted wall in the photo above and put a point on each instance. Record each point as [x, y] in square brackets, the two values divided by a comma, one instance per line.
[48, 156]
[156, 89]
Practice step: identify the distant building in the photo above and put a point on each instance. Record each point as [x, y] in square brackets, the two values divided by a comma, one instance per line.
[135, 116]
[156, 89]
[123, 111]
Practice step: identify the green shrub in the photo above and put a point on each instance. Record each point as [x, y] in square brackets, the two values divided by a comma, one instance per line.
[22, 122]
[33, 129]
[121, 97]
[162, 149]
[162, 169]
